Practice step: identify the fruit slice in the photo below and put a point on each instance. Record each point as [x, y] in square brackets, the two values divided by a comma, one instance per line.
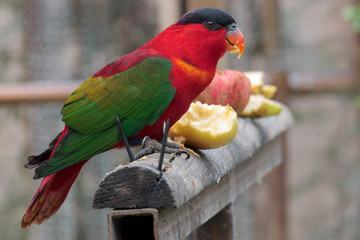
[256, 80]
[259, 106]
[206, 126]
[258, 86]
[268, 91]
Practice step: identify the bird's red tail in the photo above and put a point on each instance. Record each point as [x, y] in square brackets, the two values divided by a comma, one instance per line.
[51, 194]
[53, 189]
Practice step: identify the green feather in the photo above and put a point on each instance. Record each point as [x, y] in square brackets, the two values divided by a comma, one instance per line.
[138, 96]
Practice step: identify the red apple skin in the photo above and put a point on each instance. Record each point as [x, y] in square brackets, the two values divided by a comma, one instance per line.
[228, 87]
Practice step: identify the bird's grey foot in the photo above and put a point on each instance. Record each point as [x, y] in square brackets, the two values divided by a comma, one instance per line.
[150, 146]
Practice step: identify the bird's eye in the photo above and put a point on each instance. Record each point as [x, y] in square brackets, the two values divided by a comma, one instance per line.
[210, 24]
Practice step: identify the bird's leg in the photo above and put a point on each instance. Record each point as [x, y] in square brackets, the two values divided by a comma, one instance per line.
[125, 140]
[163, 145]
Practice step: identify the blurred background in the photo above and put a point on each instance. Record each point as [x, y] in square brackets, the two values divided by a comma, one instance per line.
[313, 45]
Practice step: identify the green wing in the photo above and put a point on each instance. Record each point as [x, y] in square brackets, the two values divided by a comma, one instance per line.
[138, 96]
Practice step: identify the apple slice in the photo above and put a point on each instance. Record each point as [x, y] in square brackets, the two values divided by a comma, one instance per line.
[258, 86]
[259, 106]
[257, 81]
[268, 91]
[206, 126]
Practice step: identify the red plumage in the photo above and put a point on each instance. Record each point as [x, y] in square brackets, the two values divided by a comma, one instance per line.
[51, 193]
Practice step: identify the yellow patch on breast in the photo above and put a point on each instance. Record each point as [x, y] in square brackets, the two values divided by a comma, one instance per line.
[195, 73]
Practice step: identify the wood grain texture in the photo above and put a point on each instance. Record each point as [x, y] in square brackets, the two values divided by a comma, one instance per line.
[177, 223]
[136, 185]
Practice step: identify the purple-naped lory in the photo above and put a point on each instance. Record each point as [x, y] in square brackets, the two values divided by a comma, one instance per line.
[155, 83]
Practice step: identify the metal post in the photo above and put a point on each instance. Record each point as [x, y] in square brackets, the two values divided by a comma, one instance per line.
[133, 224]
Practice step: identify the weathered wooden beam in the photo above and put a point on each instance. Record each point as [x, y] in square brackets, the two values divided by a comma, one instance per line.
[219, 227]
[178, 223]
[192, 191]
[37, 93]
[175, 224]
[136, 185]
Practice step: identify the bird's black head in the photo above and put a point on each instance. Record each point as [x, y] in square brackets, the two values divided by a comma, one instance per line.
[212, 18]
[215, 19]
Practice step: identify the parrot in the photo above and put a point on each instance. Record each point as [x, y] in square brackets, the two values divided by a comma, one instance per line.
[137, 94]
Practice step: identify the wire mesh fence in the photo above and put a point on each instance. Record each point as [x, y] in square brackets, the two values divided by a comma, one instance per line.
[47, 42]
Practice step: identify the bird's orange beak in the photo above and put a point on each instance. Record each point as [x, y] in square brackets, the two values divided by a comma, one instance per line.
[235, 40]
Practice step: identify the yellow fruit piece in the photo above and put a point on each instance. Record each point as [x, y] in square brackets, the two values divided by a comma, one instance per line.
[258, 86]
[256, 80]
[259, 106]
[206, 126]
[268, 91]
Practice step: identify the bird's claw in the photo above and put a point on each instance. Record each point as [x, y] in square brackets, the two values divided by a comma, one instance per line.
[143, 143]
[150, 146]
[182, 151]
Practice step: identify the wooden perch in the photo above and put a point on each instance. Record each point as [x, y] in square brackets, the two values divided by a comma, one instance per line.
[136, 185]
